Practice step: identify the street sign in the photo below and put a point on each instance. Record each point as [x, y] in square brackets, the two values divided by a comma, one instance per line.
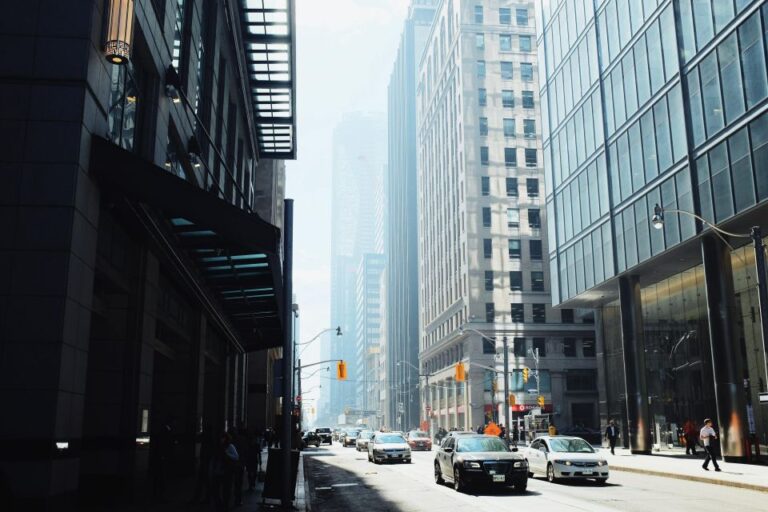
[763, 398]
[428, 409]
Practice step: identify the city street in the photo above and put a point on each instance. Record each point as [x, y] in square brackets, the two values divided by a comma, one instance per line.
[342, 479]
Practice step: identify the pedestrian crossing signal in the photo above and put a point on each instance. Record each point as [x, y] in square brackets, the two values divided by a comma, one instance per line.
[341, 370]
[512, 400]
[461, 375]
[540, 401]
[525, 374]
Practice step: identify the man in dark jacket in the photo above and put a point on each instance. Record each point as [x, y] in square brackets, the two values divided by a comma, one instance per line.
[612, 434]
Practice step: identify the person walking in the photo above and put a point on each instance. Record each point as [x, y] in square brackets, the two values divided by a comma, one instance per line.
[552, 430]
[689, 433]
[479, 429]
[612, 434]
[240, 443]
[253, 460]
[707, 435]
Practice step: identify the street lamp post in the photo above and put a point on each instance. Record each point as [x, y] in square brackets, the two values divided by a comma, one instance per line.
[756, 236]
[298, 365]
[425, 375]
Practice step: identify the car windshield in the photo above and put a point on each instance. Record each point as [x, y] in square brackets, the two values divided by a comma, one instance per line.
[354, 433]
[323, 431]
[366, 435]
[570, 446]
[419, 434]
[389, 438]
[481, 444]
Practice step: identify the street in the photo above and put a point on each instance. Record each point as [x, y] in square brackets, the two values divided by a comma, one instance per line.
[342, 479]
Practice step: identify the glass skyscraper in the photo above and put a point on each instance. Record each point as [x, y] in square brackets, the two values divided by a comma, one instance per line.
[661, 102]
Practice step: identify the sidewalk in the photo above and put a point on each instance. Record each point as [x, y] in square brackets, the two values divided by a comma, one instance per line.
[686, 467]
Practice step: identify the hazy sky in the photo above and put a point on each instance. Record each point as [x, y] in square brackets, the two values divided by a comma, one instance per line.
[345, 53]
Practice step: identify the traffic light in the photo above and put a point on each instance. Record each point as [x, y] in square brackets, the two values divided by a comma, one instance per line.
[512, 400]
[540, 401]
[341, 370]
[525, 375]
[461, 375]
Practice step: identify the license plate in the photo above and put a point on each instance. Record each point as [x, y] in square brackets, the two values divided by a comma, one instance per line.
[498, 478]
[587, 472]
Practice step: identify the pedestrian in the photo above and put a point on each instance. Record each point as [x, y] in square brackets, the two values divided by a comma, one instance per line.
[222, 469]
[502, 431]
[552, 430]
[238, 471]
[479, 429]
[207, 447]
[689, 434]
[612, 434]
[707, 434]
[253, 459]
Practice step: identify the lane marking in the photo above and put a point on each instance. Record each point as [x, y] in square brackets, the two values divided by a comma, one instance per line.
[344, 485]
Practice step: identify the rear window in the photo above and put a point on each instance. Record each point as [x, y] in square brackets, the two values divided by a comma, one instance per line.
[323, 431]
[419, 434]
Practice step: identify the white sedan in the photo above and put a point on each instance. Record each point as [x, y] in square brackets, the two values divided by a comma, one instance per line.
[563, 457]
[386, 446]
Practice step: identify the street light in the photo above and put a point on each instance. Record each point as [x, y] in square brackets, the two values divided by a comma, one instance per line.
[756, 236]
[297, 369]
[426, 375]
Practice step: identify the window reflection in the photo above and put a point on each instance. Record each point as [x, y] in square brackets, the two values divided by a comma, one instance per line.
[123, 106]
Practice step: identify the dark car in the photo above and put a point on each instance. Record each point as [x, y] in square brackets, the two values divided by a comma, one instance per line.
[325, 435]
[480, 460]
[310, 439]
[350, 439]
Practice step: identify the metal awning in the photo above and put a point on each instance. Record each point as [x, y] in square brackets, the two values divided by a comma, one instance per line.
[235, 254]
[269, 38]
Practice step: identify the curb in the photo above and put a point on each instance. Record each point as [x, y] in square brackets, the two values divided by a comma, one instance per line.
[691, 478]
[307, 493]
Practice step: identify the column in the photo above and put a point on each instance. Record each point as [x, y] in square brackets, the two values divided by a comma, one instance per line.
[633, 340]
[455, 422]
[724, 343]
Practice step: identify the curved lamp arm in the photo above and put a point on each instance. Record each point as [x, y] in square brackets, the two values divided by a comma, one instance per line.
[658, 221]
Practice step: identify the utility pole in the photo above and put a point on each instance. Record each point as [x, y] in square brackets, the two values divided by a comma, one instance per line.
[506, 388]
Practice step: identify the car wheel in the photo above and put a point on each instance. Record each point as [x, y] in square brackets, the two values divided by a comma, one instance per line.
[458, 484]
[551, 473]
[530, 473]
[601, 481]
[438, 474]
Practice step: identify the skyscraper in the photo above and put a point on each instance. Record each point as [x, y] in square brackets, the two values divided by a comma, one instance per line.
[655, 103]
[402, 330]
[482, 236]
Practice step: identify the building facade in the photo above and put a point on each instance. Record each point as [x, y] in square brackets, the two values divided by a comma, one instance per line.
[402, 340]
[368, 326]
[661, 103]
[482, 227]
[141, 257]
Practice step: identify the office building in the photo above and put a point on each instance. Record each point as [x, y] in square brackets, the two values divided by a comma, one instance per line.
[367, 336]
[482, 227]
[661, 102]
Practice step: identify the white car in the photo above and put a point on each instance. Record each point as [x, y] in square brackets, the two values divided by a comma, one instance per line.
[564, 457]
[362, 440]
[386, 446]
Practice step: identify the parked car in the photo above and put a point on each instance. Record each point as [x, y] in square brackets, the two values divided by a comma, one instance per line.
[419, 440]
[477, 459]
[565, 457]
[310, 439]
[388, 447]
[336, 433]
[362, 440]
[325, 435]
[350, 438]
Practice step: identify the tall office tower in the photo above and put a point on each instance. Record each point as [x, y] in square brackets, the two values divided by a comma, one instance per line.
[482, 236]
[359, 153]
[402, 347]
[367, 334]
[661, 102]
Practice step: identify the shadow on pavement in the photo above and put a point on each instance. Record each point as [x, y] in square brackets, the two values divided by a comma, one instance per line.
[580, 483]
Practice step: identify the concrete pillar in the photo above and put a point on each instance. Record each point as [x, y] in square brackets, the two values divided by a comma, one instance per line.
[726, 353]
[455, 422]
[633, 340]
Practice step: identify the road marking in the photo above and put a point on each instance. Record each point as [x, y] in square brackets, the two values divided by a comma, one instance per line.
[323, 488]
[344, 485]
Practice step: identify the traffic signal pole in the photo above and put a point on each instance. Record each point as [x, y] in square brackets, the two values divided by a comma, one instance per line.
[506, 389]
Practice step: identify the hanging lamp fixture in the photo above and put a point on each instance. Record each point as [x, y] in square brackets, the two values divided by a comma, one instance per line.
[117, 48]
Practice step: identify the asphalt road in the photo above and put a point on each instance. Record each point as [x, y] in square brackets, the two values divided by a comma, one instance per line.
[342, 479]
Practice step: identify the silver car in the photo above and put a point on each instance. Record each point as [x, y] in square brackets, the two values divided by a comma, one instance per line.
[386, 446]
[362, 440]
[564, 457]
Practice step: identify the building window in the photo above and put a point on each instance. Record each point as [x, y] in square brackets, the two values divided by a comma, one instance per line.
[516, 280]
[588, 347]
[124, 102]
[510, 157]
[537, 281]
[534, 218]
[529, 128]
[489, 280]
[489, 346]
[482, 97]
[480, 41]
[506, 70]
[509, 127]
[527, 99]
[569, 347]
[525, 43]
[540, 346]
[531, 159]
[511, 187]
[505, 42]
[532, 185]
[505, 16]
[567, 316]
[526, 71]
[522, 17]
[178, 31]
[518, 313]
[535, 249]
[514, 249]
[478, 14]
[486, 217]
[485, 185]
[484, 155]
[518, 347]
[481, 69]
[513, 217]
[487, 248]
[483, 126]
[581, 380]
[490, 312]
[507, 99]
[539, 313]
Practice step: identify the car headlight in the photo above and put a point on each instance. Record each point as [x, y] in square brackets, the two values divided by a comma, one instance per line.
[520, 464]
[602, 463]
[566, 462]
[471, 465]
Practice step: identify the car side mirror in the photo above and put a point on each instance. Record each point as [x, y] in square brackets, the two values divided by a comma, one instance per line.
[514, 448]
[447, 450]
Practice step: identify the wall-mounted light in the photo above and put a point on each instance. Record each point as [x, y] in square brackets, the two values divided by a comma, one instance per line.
[193, 147]
[62, 445]
[172, 85]
[117, 48]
